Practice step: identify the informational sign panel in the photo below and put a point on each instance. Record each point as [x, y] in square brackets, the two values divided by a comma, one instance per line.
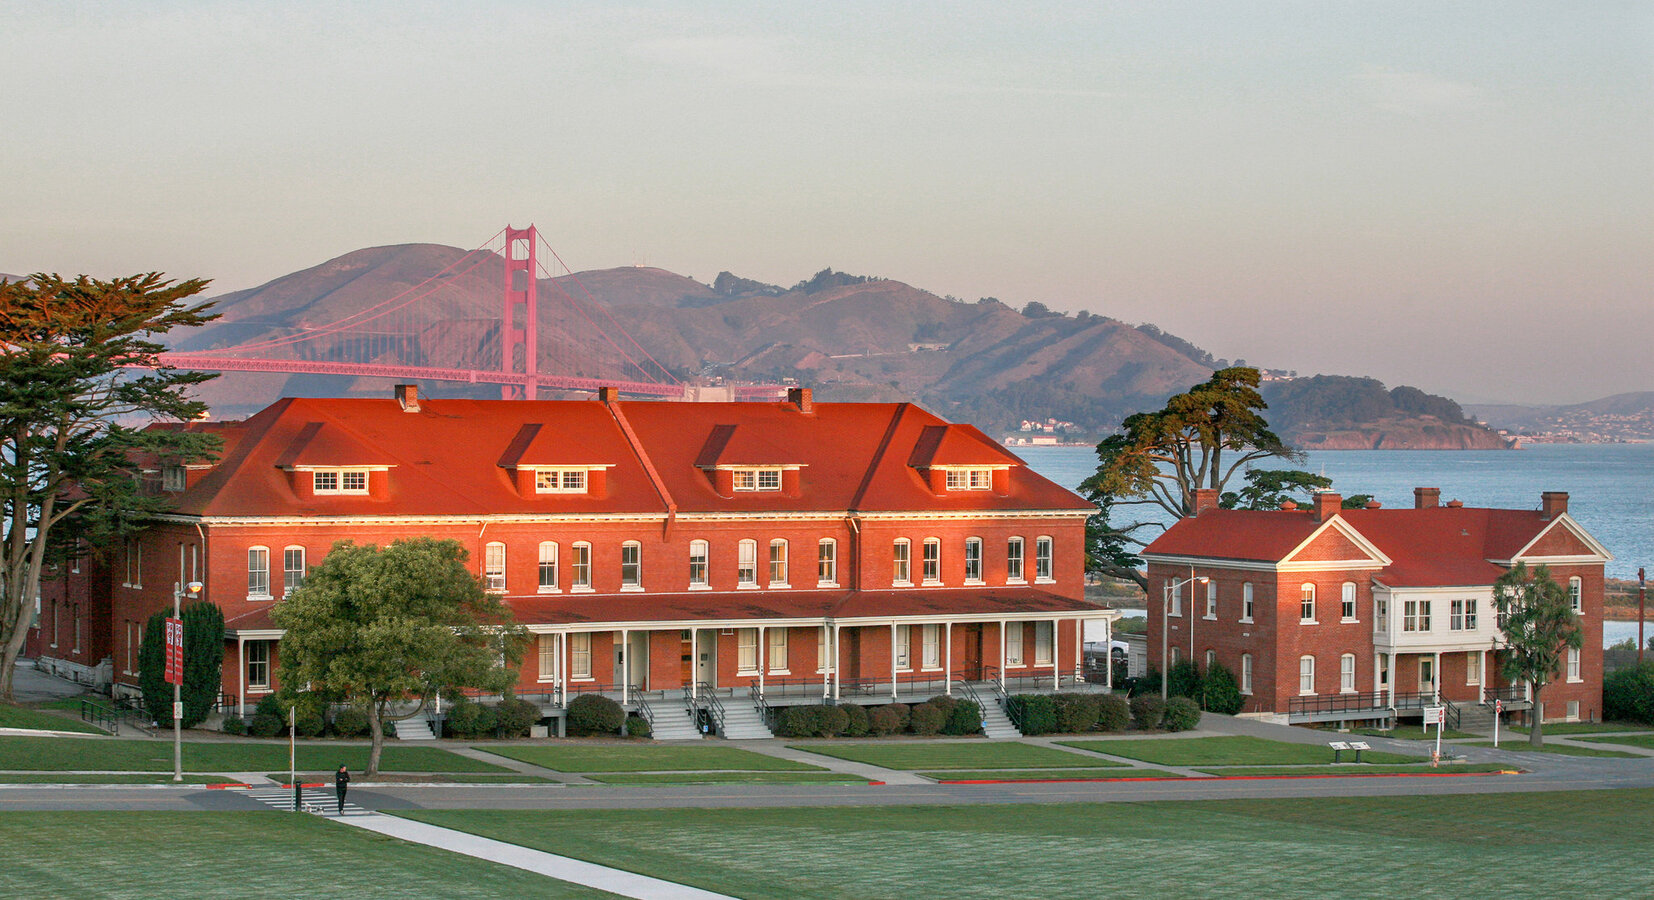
[1434, 715]
[175, 651]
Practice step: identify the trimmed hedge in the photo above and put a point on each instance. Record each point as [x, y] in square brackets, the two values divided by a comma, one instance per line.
[461, 719]
[1075, 712]
[1181, 714]
[928, 719]
[1033, 713]
[966, 718]
[1183, 680]
[1146, 712]
[882, 720]
[857, 724]
[638, 727]
[593, 714]
[308, 722]
[904, 714]
[1113, 713]
[514, 717]
[350, 722]
[234, 725]
[819, 720]
[264, 725]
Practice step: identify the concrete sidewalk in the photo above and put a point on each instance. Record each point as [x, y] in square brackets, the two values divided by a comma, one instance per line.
[615, 881]
[780, 750]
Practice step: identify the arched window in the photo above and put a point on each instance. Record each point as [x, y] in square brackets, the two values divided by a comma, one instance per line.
[493, 567]
[901, 562]
[1306, 603]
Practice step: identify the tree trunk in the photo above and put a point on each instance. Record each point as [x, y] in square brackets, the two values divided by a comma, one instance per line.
[376, 728]
[1536, 730]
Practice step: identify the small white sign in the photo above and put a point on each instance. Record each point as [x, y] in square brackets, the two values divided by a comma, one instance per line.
[178, 710]
[1434, 715]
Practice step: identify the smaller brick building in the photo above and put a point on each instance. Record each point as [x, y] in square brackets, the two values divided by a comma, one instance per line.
[1332, 614]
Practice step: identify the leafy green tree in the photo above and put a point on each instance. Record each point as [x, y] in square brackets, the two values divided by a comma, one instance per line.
[1537, 619]
[203, 663]
[1200, 439]
[387, 629]
[65, 456]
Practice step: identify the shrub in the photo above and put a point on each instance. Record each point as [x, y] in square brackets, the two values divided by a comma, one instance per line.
[1146, 683]
[904, 714]
[1033, 713]
[856, 722]
[488, 721]
[270, 705]
[1181, 714]
[1220, 693]
[461, 718]
[234, 725]
[1146, 712]
[308, 721]
[1075, 712]
[944, 703]
[1628, 694]
[264, 725]
[350, 722]
[1183, 680]
[927, 719]
[1113, 713]
[882, 720]
[637, 727]
[966, 718]
[594, 714]
[515, 717]
[813, 721]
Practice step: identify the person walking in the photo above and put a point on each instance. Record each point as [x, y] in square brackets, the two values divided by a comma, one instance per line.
[341, 783]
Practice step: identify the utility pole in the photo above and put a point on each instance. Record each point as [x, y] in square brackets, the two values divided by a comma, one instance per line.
[1642, 606]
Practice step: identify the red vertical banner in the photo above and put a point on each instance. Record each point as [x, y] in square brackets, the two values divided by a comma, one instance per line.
[175, 651]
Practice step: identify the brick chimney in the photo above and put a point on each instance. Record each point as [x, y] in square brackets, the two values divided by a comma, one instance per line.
[608, 394]
[1427, 498]
[1205, 498]
[800, 397]
[1327, 505]
[407, 396]
[1553, 504]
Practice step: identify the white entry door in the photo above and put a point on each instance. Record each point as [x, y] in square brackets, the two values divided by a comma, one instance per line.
[1427, 675]
[706, 656]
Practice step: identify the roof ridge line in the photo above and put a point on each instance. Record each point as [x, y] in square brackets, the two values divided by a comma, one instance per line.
[643, 458]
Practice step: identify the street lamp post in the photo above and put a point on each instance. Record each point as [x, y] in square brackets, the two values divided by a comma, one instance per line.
[194, 588]
[1165, 604]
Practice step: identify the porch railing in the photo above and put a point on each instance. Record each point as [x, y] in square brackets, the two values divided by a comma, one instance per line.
[1515, 693]
[101, 716]
[635, 697]
[709, 701]
[1366, 701]
[966, 691]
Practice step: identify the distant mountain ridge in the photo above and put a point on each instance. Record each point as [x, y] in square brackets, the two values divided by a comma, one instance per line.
[1621, 417]
[851, 337]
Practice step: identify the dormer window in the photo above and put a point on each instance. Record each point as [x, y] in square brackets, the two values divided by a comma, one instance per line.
[970, 479]
[757, 479]
[560, 481]
[172, 478]
[339, 481]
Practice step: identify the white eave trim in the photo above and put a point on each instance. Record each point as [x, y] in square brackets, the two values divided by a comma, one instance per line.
[553, 518]
[1338, 524]
[256, 634]
[1599, 553]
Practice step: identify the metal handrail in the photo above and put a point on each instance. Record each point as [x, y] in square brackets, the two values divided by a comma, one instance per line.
[970, 694]
[759, 703]
[706, 696]
[93, 714]
[635, 696]
[1005, 703]
[1355, 702]
[1509, 693]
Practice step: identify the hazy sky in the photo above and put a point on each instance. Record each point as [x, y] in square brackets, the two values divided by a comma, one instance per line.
[1454, 195]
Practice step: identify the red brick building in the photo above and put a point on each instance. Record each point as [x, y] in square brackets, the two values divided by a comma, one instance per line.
[1331, 614]
[795, 550]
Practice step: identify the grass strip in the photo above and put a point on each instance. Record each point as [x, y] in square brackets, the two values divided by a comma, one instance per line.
[1404, 733]
[1645, 741]
[109, 778]
[14, 716]
[131, 755]
[1362, 769]
[1228, 750]
[615, 757]
[728, 778]
[436, 778]
[1050, 775]
[1521, 746]
[1570, 728]
[981, 755]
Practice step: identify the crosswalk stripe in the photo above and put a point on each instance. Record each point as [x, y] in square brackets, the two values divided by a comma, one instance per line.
[320, 801]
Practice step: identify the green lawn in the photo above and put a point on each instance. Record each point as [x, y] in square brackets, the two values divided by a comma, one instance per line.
[1050, 775]
[438, 778]
[1580, 728]
[910, 756]
[14, 716]
[142, 855]
[1404, 733]
[1477, 845]
[1645, 741]
[60, 754]
[587, 757]
[1229, 750]
[114, 778]
[1363, 769]
[728, 778]
[1520, 745]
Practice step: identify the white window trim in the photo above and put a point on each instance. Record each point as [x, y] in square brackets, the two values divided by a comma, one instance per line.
[556, 569]
[930, 641]
[1311, 673]
[705, 584]
[751, 479]
[264, 594]
[747, 667]
[559, 475]
[493, 581]
[904, 560]
[1015, 657]
[576, 639]
[977, 543]
[1313, 608]
[1050, 557]
[1575, 666]
[926, 546]
[1211, 601]
[786, 564]
[575, 587]
[901, 655]
[1347, 685]
[786, 652]
[830, 582]
[1249, 599]
[1477, 656]
[1355, 603]
[636, 585]
[1246, 674]
[338, 474]
[547, 653]
[746, 557]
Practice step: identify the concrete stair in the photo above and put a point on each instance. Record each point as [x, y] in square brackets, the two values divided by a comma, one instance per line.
[417, 728]
[673, 723]
[1475, 718]
[996, 723]
[742, 721]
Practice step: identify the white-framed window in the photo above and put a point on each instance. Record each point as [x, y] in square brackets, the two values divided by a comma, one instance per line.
[1306, 675]
[258, 665]
[173, 478]
[1381, 614]
[1576, 593]
[1175, 657]
[559, 481]
[548, 657]
[1573, 710]
[631, 566]
[1473, 668]
[1383, 670]
[1045, 645]
[826, 562]
[778, 651]
[1470, 614]
[901, 562]
[1175, 607]
[758, 479]
[292, 569]
[746, 564]
[1346, 604]
[493, 567]
[258, 571]
[1211, 659]
[1415, 615]
[1211, 598]
[698, 565]
[973, 560]
[1461, 615]
[580, 654]
[930, 637]
[1042, 559]
[1306, 603]
[135, 564]
[580, 572]
[74, 614]
[903, 651]
[824, 655]
[1013, 561]
[1013, 644]
[746, 651]
[778, 563]
[1246, 673]
[548, 567]
[970, 479]
[339, 481]
[1573, 664]
[1246, 602]
[1346, 673]
[931, 561]
[134, 639]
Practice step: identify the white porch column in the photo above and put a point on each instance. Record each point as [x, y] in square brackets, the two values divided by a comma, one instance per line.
[562, 668]
[1436, 677]
[241, 672]
[1079, 650]
[826, 643]
[1002, 666]
[625, 660]
[893, 660]
[763, 659]
[837, 663]
[694, 660]
[947, 657]
[1056, 656]
[1108, 654]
